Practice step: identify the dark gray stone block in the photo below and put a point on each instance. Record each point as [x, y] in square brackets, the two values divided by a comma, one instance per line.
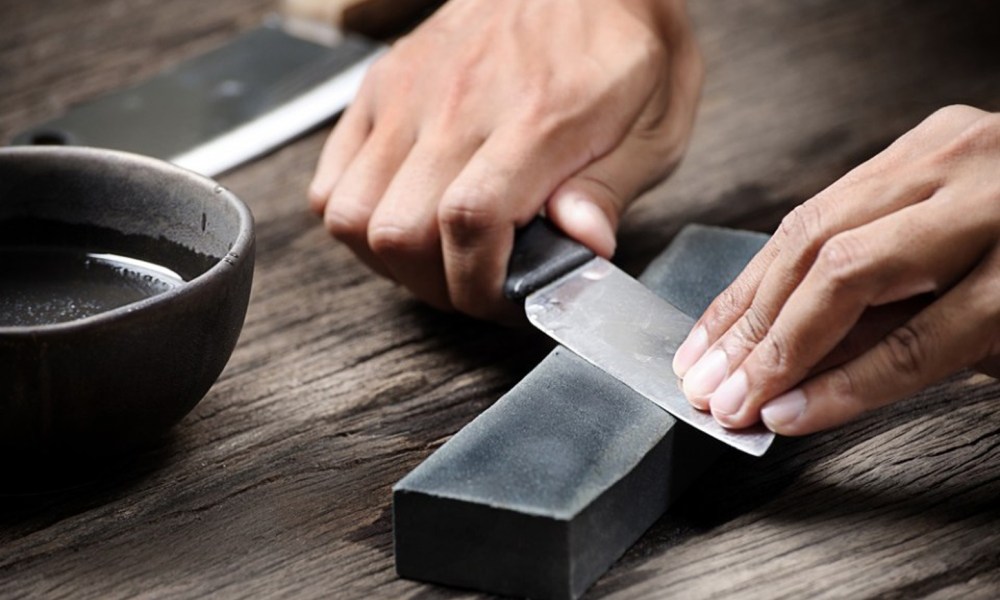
[540, 494]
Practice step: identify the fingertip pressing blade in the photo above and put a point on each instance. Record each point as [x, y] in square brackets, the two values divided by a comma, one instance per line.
[620, 326]
[612, 321]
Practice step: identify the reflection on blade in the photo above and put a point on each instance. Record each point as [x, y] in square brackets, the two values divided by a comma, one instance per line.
[620, 326]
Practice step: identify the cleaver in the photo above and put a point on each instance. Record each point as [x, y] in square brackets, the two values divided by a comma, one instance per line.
[612, 321]
[229, 105]
[247, 97]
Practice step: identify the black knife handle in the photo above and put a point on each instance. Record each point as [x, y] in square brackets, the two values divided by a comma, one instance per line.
[541, 255]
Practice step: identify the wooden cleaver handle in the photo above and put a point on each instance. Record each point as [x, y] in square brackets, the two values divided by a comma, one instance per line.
[541, 255]
[372, 18]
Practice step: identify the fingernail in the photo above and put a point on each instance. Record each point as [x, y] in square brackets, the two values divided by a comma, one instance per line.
[706, 374]
[784, 410]
[690, 350]
[727, 400]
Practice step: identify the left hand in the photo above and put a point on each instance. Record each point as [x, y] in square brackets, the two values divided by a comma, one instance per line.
[920, 219]
[490, 111]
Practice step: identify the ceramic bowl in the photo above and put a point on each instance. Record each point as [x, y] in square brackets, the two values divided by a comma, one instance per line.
[81, 378]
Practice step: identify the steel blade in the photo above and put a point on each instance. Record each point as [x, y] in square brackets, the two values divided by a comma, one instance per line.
[620, 326]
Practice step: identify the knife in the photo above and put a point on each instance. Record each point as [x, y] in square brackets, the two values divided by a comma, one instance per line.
[259, 90]
[612, 321]
[228, 105]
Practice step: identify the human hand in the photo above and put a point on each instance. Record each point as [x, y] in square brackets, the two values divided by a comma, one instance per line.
[491, 111]
[919, 221]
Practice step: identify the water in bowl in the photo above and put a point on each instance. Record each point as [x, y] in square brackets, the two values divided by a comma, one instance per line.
[85, 271]
[40, 286]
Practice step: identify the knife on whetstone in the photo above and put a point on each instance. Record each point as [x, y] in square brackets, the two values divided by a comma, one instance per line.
[612, 321]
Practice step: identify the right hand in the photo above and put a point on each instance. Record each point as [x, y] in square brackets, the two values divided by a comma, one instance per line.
[911, 236]
[488, 113]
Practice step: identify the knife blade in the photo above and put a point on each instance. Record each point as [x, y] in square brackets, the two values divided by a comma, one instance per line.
[612, 321]
[229, 105]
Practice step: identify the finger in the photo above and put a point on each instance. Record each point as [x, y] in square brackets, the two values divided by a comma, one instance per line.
[344, 142]
[956, 331]
[725, 309]
[738, 319]
[403, 231]
[361, 187]
[876, 323]
[503, 187]
[801, 234]
[893, 258]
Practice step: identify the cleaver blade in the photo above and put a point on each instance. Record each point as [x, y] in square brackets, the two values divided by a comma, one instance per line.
[612, 321]
[227, 106]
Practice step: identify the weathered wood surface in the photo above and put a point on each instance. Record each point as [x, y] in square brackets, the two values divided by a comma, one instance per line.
[278, 483]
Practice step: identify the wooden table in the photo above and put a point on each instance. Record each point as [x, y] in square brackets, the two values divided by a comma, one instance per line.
[277, 484]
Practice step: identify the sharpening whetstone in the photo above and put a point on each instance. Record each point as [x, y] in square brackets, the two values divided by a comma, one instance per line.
[541, 493]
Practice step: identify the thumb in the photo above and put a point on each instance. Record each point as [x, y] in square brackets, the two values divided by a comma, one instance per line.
[586, 211]
[589, 205]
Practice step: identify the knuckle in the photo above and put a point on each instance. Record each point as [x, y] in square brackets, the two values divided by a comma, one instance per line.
[755, 324]
[752, 326]
[468, 211]
[947, 115]
[978, 134]
[841, 262]
[651, 53]
[803, 226]
[801, 235]
[773, 356]
[387, 239]
[727, 307]
[343, 223]
[905, 350]
[730, 303]
[841, 385]
[927, 143]
[989, 125]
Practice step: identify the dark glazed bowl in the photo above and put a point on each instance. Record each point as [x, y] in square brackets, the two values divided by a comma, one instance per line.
[117, 379]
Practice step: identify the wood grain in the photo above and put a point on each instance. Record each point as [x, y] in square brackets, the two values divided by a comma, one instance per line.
[277, 484]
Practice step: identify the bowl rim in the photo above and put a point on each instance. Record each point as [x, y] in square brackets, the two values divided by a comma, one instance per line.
[238, 252]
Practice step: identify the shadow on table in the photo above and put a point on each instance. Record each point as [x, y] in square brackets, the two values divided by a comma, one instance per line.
[58, 488]
[782, 486]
